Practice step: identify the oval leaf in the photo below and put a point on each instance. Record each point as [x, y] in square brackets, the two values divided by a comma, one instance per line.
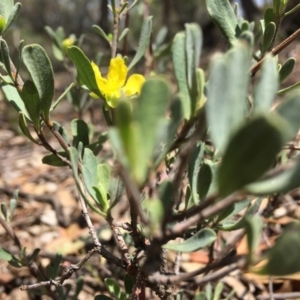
[201, 239]
[251, 152]
[286, 251]
[39, 66]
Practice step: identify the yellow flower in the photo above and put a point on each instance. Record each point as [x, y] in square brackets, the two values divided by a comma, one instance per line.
[115, 85]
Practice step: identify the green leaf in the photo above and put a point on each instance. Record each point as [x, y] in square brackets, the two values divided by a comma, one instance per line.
[231, 211]
[226, 108]
[200, 296]
[12, 15]
[269, 35]
[89, 171]
[79, 287]
[101, 32]
[193, 170]
[80, 132]
[155, 209]
[180, 70]
[33, 256]
[4, 211]
[123, 34]
[254, 226]
[74, 158]
[114, 288]
[207, 181]
[103, 175]
[289, 110]
[166, 192]
[53, 160]
[283, 257]
[250, 152]
[283, 182]
[171, 130]
[218, 291]
[13, 97]
[24, 128]
[6, 6]
[279, 7]
[61, 97]
[129, 283]
[5, 57]
[31, 100]
[152, 105]
[228, 225]
[5, 255]
[84, 69]
[12, 206]
[39, 66]
[143, 41]
[201, 239]
[223, 16]
[193, 49]
[266, 88]
[268, 16]
[287, 68]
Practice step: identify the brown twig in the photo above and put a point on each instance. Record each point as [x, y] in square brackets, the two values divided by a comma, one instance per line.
[119, 239]
[276, 50]
[11, 233]
[279, 296]
[179, 229]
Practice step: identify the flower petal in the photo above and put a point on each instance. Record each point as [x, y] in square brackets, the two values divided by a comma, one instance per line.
[101, 82]
[134, 85]
[117, 73]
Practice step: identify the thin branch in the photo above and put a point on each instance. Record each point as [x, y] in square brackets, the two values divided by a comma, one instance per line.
[119, 239]
[276, 50]
[11, 233]
[280, 296]
[178, 229]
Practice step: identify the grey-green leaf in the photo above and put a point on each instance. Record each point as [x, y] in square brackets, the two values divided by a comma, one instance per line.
[84, 69]
[89, 171]
[12, 95]
[143, 41]
[223, 16]
[80, 132]
[287, 68]
[53, 160]
[39, 66]
[24, 128]
[286, 251]
[283, 182]
[250, 152]
[289, 110]
[266, 88]
[253, 226]
[13, 15]
[226, 107]
[6, 7]
[152, 105]
[268, 37]
[113, 288]
[193, 170]
[199, 240]
[31, 100]
[5, 57]
[180, 70]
